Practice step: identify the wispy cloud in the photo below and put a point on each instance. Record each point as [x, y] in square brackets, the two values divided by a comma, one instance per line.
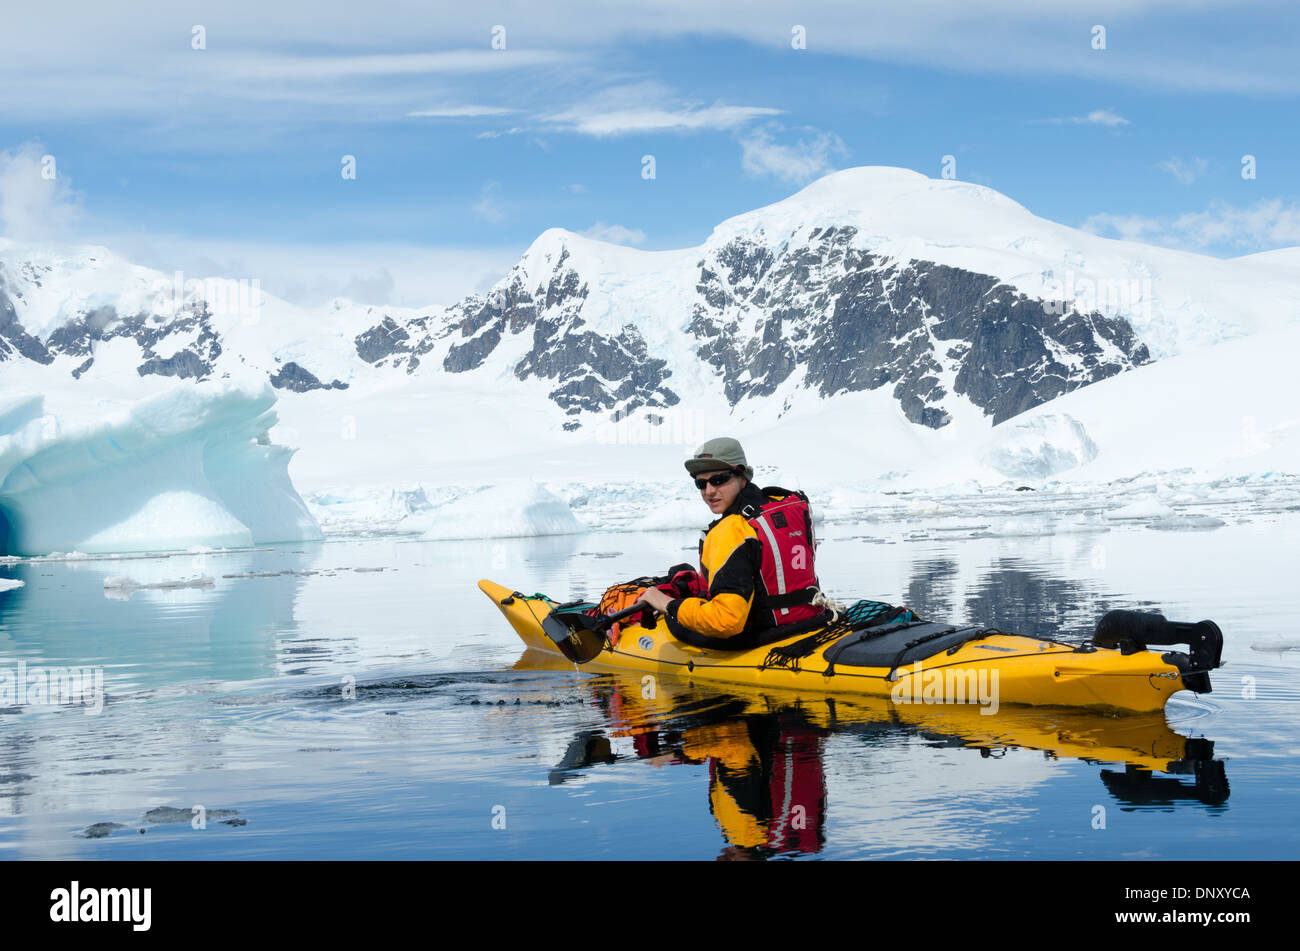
[798, 163]
[629, 121]
[459, 112]
[457, 62]
[1185, 172]
[650, 107]
[36, 201]
[614, 234]
[1106, 117]
[1224, 227]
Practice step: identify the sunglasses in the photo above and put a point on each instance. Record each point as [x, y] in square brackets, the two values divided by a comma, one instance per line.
[722, 478]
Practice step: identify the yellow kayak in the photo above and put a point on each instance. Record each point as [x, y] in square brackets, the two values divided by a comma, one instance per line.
[910, 664]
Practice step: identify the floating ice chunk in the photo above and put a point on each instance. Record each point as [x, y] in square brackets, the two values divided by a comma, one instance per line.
[1080, 526]
[917, 507]
[126, 583]
[1142, 508]
[1185, 523]
[1039, 447]
[841, 498]
[121, 587]
[1021, 528]
[9, 584]
[1236, 494]
[1281, 500]
[514, 510]
[1276, 642]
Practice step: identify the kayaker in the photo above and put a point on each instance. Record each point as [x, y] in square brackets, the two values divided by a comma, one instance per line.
[756, 559]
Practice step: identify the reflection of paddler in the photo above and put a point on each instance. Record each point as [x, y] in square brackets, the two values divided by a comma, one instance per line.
[767, 789]
[766, 786]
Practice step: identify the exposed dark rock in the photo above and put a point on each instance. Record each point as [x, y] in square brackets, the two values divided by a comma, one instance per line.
[100, 829]
[14, 338]
[184, 364]
[382, 340]
[295, 378]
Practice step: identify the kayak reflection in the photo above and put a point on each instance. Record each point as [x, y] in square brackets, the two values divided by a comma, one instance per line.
[765, 751]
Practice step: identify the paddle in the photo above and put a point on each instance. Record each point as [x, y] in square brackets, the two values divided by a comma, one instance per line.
[580, 636]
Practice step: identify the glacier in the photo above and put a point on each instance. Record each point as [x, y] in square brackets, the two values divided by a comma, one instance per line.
[193, 465]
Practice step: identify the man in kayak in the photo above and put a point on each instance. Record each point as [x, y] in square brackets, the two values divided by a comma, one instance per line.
[756, 559]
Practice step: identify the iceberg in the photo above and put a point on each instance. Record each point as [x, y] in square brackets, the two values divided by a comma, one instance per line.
[512, 510]
[191, 466]
[1038, 447]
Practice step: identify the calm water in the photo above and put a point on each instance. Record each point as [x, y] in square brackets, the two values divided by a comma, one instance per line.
[360, 698]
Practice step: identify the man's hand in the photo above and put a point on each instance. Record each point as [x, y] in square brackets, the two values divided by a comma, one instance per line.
[656, 599]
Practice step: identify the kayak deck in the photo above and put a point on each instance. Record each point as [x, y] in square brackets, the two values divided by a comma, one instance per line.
[989, 671]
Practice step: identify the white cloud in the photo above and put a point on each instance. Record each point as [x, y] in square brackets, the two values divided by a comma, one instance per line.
[1101, 117]
[575, 189]
[629, 121]
[799, 163]
[650, 106]
[495, 134]
[459, 112]
[488, 207]
[1185, 172]
[1222, 227]
[614, 234]
[1106, 117]
[315, 68]
[36, 201]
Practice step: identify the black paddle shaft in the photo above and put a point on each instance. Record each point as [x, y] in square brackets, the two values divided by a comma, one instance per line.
[637, 608]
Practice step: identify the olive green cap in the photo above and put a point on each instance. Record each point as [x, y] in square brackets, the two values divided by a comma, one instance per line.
[721, 453]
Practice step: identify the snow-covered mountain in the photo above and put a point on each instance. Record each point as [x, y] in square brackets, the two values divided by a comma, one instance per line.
[946, 306]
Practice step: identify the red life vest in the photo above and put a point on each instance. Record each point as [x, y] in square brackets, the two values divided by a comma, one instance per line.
[784, 525]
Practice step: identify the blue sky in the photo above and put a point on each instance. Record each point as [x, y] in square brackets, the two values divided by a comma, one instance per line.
[227, 159]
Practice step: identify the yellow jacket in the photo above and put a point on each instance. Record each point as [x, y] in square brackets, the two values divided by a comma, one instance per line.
[731, 559]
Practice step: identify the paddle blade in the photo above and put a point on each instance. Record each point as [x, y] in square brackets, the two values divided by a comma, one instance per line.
[576, 634]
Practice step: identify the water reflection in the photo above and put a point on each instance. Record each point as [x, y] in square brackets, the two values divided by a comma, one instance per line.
[766, 753]
[1029, 600]
[64, 616]
[1012, 594]
[930, 590]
